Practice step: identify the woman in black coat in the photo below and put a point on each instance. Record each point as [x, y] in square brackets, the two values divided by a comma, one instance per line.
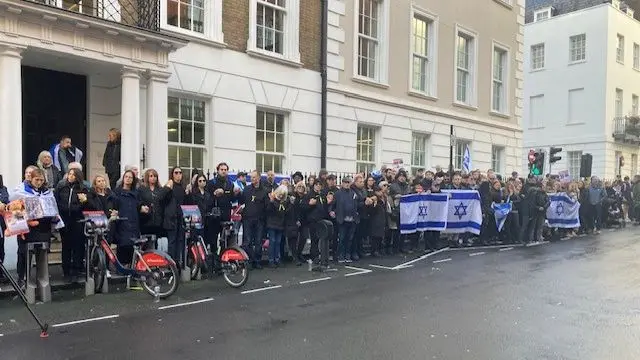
[293, 223]
[377, 221]
[72, 198]
[155, 197]
[204, 199]
[111, 158]
[128, 205]
[100, 196]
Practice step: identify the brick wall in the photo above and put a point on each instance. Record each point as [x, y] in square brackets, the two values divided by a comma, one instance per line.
[235, 24]
[310, 34]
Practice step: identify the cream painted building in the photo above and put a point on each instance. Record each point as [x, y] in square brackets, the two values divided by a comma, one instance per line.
[402, 72]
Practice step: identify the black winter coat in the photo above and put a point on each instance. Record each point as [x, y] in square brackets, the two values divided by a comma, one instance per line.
[277, 213]
[69, 205]
[172, 211]
[293, 216]
[156, 200]
[128, 205]
[377, 219]
[99, 202]
[255, 200]
[317, 212]
[111, 158]
[224, 201]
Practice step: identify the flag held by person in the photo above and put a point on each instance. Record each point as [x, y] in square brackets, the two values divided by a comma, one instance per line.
[564, 212]
[500, 212]
[423, 212]
[465, 212]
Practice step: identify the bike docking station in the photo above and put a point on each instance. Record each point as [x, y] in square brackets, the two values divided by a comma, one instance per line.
[40, 287]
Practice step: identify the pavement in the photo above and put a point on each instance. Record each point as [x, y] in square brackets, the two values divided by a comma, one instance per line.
[573, 299]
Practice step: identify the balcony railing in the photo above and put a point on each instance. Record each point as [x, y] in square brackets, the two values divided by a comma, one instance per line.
[143, 14]
[627, 129]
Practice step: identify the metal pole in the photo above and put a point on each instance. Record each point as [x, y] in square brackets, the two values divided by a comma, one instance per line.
[324, 23]
[451, 143]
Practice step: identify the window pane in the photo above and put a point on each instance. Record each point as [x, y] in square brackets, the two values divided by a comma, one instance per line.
[280, 123]
[277, 164]
[172, 12]
[186, 109]
[280, 143]
[198, 111]
[172, 128]
[259, 140]
[271, 119]
[174, 107]
[184, 156]
[198, 133]
[186, 132]
[197, 160]
[270, 146]
[173, 156]
[260, 120]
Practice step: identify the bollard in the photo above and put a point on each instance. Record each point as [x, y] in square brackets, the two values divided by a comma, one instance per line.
[105, 284]
[42, 273]
[89, 283]
[30, 286]
[185, 275]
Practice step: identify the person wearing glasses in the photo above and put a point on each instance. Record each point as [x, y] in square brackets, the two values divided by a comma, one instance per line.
[201, 197]
[224, 193]
[172, 222]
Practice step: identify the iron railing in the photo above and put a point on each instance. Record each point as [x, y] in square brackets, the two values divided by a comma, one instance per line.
[627, 128]
[143, 14]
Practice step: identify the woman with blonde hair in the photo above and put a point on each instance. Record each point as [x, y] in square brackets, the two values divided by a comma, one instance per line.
[155, 197]
[277, 210]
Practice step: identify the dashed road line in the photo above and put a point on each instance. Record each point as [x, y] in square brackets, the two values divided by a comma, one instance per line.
[381, 267]
[314, 280]
[506, 249]
[477, 253]
[86, 321]
[484, 247]
[261, 289]
[404, 265]
[185, 304]
[536, 243]
[360, 271]
[442, 260]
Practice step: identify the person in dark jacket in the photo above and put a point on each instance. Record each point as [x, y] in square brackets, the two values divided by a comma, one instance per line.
[293, 222]
[512, 223]
[72, 198]
[254, 198]
[431, 237]
[347, 217]
[316, 209]
[364, 190]
[4, 199]
[111, 158]
[277, 209]
[51, 173]
[100, 196]
[127, 203]
[172, 222]
[378, 221]
[331, 188]
[538, 205]
[224, 193]
[155, 197]
[204, 200]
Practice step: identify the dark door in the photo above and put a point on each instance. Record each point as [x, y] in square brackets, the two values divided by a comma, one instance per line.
[53, 104]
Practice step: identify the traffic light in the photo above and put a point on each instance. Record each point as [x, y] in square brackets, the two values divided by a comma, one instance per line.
[537, 167]
[552, 154]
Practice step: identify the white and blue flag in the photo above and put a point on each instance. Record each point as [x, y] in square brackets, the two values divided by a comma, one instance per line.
[465, 212]
[564, 212]
[466, 160]
[500, 212]
[423, 212]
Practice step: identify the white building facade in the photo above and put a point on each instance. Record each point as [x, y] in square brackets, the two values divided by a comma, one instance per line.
[581, 88]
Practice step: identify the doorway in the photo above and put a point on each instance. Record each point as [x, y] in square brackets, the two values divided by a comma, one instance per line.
[53, 104]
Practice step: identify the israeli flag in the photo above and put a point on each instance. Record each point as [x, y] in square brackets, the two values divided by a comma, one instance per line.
[500, 212]
[465, 212]
[564, 212]
[423, 212]
[466, 160]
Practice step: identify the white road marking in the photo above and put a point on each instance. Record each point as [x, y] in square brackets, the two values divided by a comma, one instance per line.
[404, 267]
[261, 289]
[476, 254]
[86, 320]
[185, 304]
[360, 271]
[484, 247]
[381, 267]
[442, 260]
[401, 266]
[506, 249]
[537, 243]
[314, 280]
[1, 335]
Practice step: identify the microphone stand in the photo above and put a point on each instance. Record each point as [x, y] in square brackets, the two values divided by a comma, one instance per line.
[44, 327]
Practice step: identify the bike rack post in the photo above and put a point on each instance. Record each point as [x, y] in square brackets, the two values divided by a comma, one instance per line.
[42, 273]
[30, 286]
[89, 283]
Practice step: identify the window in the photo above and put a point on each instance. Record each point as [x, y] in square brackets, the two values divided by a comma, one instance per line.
[620, 49]
[577, 48]
[543, 14]
[366, 149]
[537, 57]
[465, 67]
[186, 14]
[500, 76]
[371, 47]
[201, 18]
[573, 163]
[274, 29]
[536, 111]
[423, 54]
[634, 164]
[270, 141]
[497, 156]
[461, 145]
[418, 152]
[636, 56]
[576, 106]
[619, 103]
[186, 132]
[634, 104]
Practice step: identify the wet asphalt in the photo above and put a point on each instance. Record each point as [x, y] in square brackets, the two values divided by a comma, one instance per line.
[574, 299]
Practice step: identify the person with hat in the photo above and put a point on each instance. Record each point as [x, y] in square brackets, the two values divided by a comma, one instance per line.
[396, 190]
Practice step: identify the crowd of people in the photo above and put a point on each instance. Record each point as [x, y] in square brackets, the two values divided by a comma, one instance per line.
[285, 214]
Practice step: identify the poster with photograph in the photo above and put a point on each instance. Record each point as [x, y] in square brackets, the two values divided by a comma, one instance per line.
[98, 218]
[193, 212]
[15, 217]
[40, 207]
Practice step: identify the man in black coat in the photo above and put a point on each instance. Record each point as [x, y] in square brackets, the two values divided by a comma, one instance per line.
[224, 193]
[111, 158]
[255, 198]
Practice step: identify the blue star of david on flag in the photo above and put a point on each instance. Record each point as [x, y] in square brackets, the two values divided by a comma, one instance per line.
[461, 210]
[423, 211]
[559, 209]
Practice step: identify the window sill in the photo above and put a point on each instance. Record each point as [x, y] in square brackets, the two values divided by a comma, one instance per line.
[194, 36]
[505, 3]
[535, 128]
[620, 62]
[499, 114]
[367, 81]
[636, 69]
[422, 95]
[577, 62]
[277, 58]
[537, 70]
[576, 123]
[465, 106]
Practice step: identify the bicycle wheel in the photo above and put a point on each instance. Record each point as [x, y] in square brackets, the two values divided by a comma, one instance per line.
[193, 261]
[164, 274]
[234, 267]
[97, 267]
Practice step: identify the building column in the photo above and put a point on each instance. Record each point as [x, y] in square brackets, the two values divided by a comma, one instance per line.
[157, 137]
[11, 114]
[130, 149]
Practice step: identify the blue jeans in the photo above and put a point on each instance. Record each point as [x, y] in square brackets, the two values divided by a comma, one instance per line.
[252, 232]
[275, 240]
[346, 232]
